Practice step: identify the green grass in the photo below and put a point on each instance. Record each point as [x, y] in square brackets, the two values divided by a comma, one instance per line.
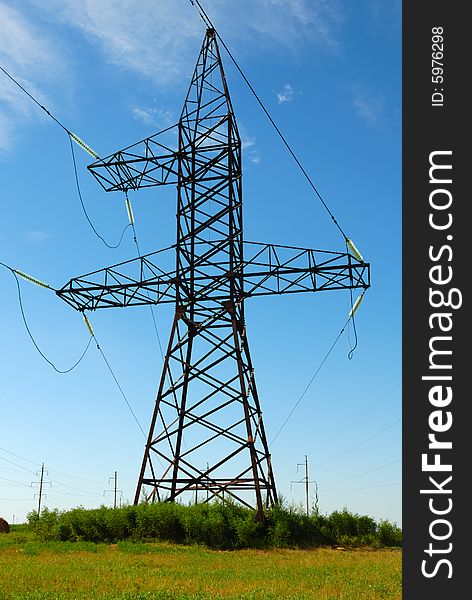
[127, 570]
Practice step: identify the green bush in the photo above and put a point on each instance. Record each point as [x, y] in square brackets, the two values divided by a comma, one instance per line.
[215, 525]
[44, 525]
[250, 533]
[389, 534]
[161, 520]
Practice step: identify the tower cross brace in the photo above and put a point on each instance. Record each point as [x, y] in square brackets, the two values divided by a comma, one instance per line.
[207, 433]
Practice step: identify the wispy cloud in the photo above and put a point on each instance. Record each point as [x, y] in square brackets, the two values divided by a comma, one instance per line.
[159, 42]
[248, 146]
[157, 117]
[28, 56]
[36, 236]
[368, 106]
[285, 94]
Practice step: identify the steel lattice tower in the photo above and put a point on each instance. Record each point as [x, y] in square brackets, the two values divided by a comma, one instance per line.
[206, 431]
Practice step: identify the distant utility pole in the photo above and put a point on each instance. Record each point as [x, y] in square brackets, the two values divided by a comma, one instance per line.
[115, 491]
[307, 482]
[41, 483]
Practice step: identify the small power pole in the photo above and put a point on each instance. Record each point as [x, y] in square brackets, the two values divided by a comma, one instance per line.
[306, 481]
[41, 483]
[115, 489]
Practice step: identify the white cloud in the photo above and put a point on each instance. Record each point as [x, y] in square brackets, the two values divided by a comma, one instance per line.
[285, 94]
[159, 41]
[36, 236]
[28, 57]
[157, 117]
[247, 141]
[145, 37]
[368, 106]
[248, 145]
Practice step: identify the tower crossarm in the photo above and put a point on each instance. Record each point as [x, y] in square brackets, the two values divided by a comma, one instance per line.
[131, 283]
[147, 163]
[270, 269]
[276, 269]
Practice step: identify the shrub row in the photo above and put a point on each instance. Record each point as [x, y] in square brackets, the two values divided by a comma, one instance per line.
[220, 526]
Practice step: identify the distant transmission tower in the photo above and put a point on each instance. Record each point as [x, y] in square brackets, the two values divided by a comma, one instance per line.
[207, 410]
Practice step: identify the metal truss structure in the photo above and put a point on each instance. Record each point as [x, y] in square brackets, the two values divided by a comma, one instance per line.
[207, 432]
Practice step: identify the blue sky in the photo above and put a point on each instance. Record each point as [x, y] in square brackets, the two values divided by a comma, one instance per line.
[115, 72]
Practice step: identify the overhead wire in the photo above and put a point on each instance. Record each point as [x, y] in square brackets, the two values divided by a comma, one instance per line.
[120, 389]
[353, 347]
[18, 404]
[33, 340]
[323, 462]
[135, 239]
[37, 464]
[362, 474]
[205, 18]
[34, 100]
[20, 457]
[79, 191]
[16, 464]
[368, 487]
[16, 482]
[92, 336]
[72, 137]
[99, 348]
[208, 22]
[318, 369]
[358, 416]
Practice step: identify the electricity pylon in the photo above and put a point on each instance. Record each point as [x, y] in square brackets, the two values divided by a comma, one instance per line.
[207, 410]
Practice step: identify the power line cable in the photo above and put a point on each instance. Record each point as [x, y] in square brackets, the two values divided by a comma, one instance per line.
[359, 415]
[16, 482]
[17, 499]
[310, 382]
[361, 474]
[16, 464]
[353, 347]
[117, 383]
[20, 301]
[123, 395]
[360, 443]
[35, 101]
[74, 162]
[99, 348]
[369, 487]
[39, 464]
[205, 18]
[20, 457]
[72, 136]
[92, 336]
[75, 477]
[153, 316]
[71, 487]
[208, 22]
[35, 418]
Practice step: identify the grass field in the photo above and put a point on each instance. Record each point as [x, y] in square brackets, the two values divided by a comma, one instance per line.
[32, 570]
